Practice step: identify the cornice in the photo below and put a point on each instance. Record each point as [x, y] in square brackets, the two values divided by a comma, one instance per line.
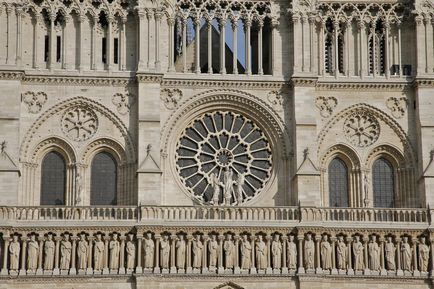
[363, 85]
[77, 80]
[209, 83]
[11, 75]
[424, 83]
[149, 78]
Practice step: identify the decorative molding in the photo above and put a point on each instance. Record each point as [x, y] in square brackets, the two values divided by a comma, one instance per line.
[149, 78]
[326, 105]
[123, 102]
[424, 83]
[361, 128]
[362, 86]
[239, 84]
[276, 99]
[11, 75]
[397, 106]
[78, 80]
[171, 97]
[79, 123]
[304, 81]
[34, 100]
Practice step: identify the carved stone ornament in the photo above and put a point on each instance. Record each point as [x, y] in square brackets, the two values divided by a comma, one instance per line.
[79, 123]
[276, 100]
[123, 102]
[171, 97]
[223, 158]
[326, 105]
[34, 100]
[362, 129]
[397, 106]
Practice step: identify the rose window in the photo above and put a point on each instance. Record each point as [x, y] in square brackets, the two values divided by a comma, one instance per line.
[362, 129]
[223, 158]
[79, 123]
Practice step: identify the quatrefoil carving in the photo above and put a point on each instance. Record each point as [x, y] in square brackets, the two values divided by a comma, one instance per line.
[34, 100]
[326, 105]
[397, 106]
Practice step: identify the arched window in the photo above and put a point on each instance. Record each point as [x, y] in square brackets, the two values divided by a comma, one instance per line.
[338, 183]
[377, 53]
[53, 181]
[103, 190]
[383, 184]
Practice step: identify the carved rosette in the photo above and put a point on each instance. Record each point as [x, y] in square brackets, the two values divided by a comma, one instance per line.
[123, 102]
[276, 100]
[171, 97]
[362, 129]
[79, 123]
[326, 105]
[223, 158]
[397, 106]
[34, 100]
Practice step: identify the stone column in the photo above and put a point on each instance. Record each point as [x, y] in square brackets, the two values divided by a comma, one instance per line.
[247, 28]
[420, 45]
[197, 43]
[222, 24]
[38, 18]
[333, 240]
[260, 53]
[173, 239]
[142, 43]
[318, 253]
[205, 254]
[349, 253]
[362, 45]
[269, 266]
[139, 268]
[157, 16]
[237, 269]
[398, 25]
[184, 44]
[52, 57]
[297, 38]
[171, 23]
[253, 269]
[321, 65]
[157, 253]
[365, 251]
[416, 271]
[81, 54]
[273, 62]
[431, 261]
[235, 45]
[94, 26]
[56, 271]
[221, 269]
[149, 15]
[23, 255]
[19, 54]
[122, 255]
[41, 251]
[4, 270]
[399, 271]
[386, 48]
[73, 270]
[382, 264]
[300, 254]
[65, 58]
[209, 30]
[284, 257]
[336, 50]
[89, 269]
[123, 45]
[109, 39]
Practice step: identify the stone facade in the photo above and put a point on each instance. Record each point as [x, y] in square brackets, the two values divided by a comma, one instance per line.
[223, 119]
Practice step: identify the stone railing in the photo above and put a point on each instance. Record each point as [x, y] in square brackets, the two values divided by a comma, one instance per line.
[217, 213]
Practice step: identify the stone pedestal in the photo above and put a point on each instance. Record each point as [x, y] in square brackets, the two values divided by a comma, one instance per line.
[181, 271]
[71, 271]
[4, 271]
[237, 270]
[105, 271]
[400, 273]
[122, 270]
[173, 270]
[47, 272]
[164, 271]
[196, 271]
[253, 271]
[139, 270]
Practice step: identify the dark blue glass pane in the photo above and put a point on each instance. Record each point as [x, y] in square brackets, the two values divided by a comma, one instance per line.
[338, 183]
[53, 179]
[103, 180]
[383, 184]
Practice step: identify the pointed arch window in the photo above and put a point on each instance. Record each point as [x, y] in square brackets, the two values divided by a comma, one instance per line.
[377, 53]
[338, 183]
[104, 174]
[53, 181]
[383, 184]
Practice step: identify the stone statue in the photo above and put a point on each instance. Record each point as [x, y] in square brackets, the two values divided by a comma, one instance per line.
[276, 250]
[423, 255]
[239, 188]
[326, 253]
[309, 252]
[215, 184]
[79, 189]
[65, 252]
[14, 253]
[197, 252]
[149, 245]
[229, 249]
[165, 251]
[389, 249]
[291, 252]
[115, 248]
[374, 254]
[366, 191]
[180, 252]
[98, 253]
[213, 247]
[246, 253]
[341, 252]
[228, 186]
[261, 253]
[131, 251]
[49, 249]
[82, 249]
[359, 263]
[406, 255]
[32, 253]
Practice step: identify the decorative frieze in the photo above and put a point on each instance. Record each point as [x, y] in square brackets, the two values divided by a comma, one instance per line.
[397, 106]
[276, 99]
[171, 97]
[326, 105]
[34, 100]
[123, 102]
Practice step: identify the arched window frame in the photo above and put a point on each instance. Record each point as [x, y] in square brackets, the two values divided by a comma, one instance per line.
[394, 176]
[376, 48]
[116, 163]
[63, 159]
[347, 179]
[352, 161]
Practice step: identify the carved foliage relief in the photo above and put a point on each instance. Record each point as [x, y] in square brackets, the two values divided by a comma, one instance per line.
[34, 100]
[397, 105]
[79, 123]
[326, 105]
[361, 129]
[276, 100]
[171, 98]
[123, 102]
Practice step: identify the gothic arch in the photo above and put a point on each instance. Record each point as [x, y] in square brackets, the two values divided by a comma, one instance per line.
[244, 104]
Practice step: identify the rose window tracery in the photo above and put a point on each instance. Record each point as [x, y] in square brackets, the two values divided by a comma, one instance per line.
[79, 123]
[362, 129]
[223, 158]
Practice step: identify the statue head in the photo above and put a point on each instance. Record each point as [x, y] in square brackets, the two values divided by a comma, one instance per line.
[245, 237]
[50, 236]
[340, 238]
[276, 237]
[213, 237]
[32, 237]
[422, 240]
[82, 236]
[356, 238]
[308, 236]
[228, 237]
[260, 237]
[115, 236]
[15, 238]
[389, 239]
[325, 237]
[291, 238]
[181, 237]
[148, 235]
[405, 239]
[131, 236]
[66, 236]
[373, 238]
[165, 237]
[98, 237]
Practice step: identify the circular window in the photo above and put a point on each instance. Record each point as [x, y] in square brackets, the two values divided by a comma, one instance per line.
[223, 158]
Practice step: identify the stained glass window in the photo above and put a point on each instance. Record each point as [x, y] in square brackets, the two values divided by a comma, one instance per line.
[383, 184]
[103, 180]
[53, 179]
[338, 183]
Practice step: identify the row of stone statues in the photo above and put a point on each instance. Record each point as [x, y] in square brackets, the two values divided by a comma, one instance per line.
[116, 253]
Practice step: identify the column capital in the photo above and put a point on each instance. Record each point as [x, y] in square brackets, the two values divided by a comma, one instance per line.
[24, 238]
[418, 19]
